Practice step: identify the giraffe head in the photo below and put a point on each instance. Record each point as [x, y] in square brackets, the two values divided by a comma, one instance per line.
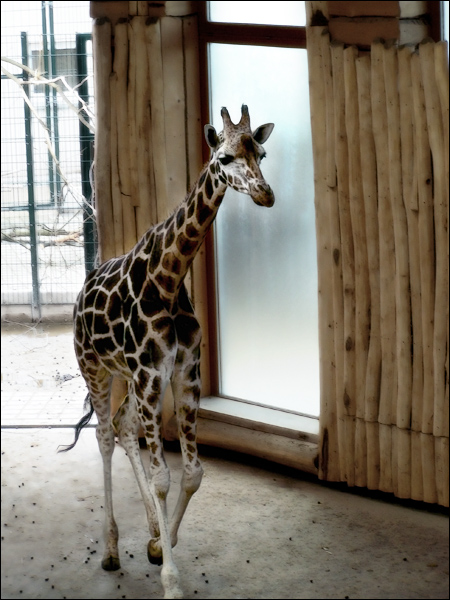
[237, 153]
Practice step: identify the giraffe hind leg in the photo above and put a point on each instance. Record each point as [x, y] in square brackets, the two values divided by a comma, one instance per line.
[99, 385]
[126, 423]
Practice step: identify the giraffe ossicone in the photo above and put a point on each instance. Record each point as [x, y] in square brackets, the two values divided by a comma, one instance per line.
[133, 320]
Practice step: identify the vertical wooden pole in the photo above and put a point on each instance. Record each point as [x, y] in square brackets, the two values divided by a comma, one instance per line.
[174, 109]
[369, 184]
[346, 398]
[131, 118]
[410, 194]
[422, 168]
[336, 123]
[146, 209]
[441, 425]
[362, 291]
[117, 233]
[195, 162]
[335, 290]
[158, 138]
[318, 44]
[101, 37]
[121, 60]
[402, 414]
[441, 312]
[388, 384]
[194, 129]
[358, 227]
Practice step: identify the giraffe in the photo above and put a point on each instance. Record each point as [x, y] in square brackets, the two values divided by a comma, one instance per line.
[133, 320]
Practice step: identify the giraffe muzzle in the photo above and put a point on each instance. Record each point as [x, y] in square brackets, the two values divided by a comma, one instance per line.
[262, 195]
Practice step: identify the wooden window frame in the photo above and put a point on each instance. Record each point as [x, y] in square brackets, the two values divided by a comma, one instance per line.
[273, 434]
[242, 34]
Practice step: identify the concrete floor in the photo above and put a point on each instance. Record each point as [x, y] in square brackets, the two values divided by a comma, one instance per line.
[253, 530]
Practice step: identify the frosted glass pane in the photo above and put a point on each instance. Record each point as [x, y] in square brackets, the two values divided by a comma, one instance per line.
[260, 13]
[445, 19]
[266, 267]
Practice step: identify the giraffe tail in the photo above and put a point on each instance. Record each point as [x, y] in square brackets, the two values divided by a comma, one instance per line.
[81, 423]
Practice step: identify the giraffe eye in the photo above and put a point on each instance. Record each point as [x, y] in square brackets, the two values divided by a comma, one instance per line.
[225, 160]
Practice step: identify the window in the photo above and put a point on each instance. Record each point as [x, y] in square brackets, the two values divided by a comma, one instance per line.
[265, 271]
[285, 13]
[444, 17]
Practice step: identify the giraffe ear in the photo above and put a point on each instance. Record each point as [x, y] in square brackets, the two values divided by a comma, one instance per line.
[211, 136]
[263, 132]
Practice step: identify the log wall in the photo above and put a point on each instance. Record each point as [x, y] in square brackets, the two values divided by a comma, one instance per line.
[148, 142]
[380, 136]
[380, 143]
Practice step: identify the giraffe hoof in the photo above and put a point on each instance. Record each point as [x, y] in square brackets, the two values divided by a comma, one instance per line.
[154, 558]
[112, 563]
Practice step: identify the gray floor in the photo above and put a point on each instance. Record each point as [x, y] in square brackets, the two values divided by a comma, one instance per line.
[253, 530]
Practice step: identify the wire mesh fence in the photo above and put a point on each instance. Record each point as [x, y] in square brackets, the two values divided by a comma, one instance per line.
[48, 237]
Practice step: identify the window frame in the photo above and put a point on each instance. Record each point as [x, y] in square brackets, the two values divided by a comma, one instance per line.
[234, 424]
[241, 34]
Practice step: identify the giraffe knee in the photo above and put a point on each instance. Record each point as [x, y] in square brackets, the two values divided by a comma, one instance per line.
[160, 483]
[192, 479]
[105, 439]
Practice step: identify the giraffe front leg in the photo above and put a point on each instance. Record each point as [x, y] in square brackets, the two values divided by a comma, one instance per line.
[186, 389]
[148, 400]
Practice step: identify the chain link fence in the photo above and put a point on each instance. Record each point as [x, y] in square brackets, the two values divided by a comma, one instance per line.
[48, 234]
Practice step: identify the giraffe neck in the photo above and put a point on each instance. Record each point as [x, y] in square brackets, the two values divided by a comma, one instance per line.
[173, 244]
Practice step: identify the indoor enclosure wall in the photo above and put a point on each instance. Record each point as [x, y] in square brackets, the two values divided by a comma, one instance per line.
[380, 142]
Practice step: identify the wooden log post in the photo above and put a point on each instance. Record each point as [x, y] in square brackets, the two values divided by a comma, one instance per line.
[402, 414]
[157, 123]
[357, 214]
[131, 119]
[422, 168]
[146, 206]
[115, 176]
[336, 124]
[174, 109]
[410, 194]
[333, 222]
[434, 420]
[101, 42]
[441, 426]
[121, 59]
[369, 183]
[318, 44]
[194, 129]
[442, 81]
[388, 384]
[346, 408]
